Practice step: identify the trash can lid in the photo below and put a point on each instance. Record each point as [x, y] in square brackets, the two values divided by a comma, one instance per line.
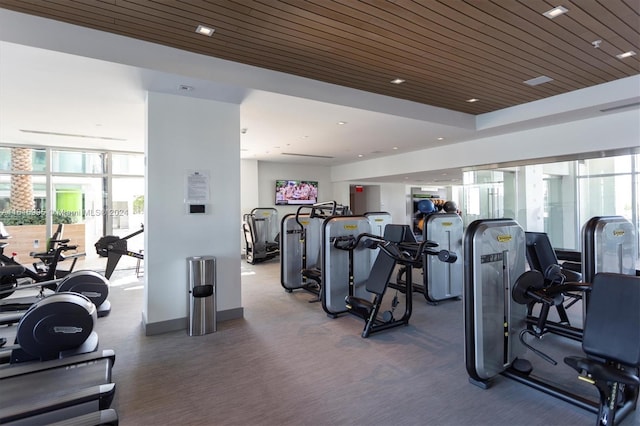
[196, 258]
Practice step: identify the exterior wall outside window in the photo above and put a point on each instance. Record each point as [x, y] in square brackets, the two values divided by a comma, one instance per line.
[568, 193]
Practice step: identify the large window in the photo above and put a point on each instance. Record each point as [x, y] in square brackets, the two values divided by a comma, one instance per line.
[556, 198]
[90, 193]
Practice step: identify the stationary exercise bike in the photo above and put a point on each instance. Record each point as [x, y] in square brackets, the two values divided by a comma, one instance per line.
[56, 326]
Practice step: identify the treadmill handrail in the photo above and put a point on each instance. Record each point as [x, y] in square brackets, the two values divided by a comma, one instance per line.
[98, 393]
[14, 370]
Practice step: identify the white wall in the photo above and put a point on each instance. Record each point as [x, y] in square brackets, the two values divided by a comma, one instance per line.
[608, 132]
[186, 134]
[269, 172]
[392, 198]
[250, 194]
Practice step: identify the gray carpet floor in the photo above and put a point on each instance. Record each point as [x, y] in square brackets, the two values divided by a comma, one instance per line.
[287, 363]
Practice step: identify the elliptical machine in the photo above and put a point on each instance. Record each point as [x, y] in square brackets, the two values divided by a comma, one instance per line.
[58, 325]
[89, 284]
[53, 370]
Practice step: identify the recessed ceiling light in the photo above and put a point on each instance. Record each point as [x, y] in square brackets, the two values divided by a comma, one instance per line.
[395, 147]
[207, 31]
[555, 12]
[625, 54]
[440, 139]
[472, 100]
[397, 81]
[360, 155]
[342, 123]
[538, 80]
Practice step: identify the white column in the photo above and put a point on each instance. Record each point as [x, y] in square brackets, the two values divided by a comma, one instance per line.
[184, 135]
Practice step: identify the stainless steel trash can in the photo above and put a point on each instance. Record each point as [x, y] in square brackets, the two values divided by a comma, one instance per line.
[201, 271]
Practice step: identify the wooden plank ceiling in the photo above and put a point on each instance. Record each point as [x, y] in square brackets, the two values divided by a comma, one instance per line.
[448, 51]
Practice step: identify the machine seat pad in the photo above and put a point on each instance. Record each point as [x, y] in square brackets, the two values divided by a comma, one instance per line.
[314, 274]
[612, 324]
[600, 371]
[567, 288]
[273, 246]
[358, 303]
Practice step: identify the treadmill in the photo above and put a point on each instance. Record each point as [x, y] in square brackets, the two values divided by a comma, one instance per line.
[54, 372]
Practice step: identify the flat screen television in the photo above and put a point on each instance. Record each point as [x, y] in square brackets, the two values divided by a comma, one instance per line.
[296, 192]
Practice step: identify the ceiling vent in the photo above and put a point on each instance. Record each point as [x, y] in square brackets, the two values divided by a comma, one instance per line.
[538, 80]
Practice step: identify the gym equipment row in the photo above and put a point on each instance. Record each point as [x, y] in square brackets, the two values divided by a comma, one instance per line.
[261, 237]
[87, 283]
[347, 267]
[498, 290]
[366, 303]
[53, 372]
[608, 244]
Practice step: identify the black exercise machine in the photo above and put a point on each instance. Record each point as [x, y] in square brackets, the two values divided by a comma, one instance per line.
[260, 234]
[497, 292]
[58, 325]
[52, 256]
[393, 250]
[611, 341]
[87, 283]
[301, 246]
[52, 372]
[45, 272]
[113, 248]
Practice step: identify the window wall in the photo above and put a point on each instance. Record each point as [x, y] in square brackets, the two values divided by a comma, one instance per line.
[91, 193]
[556, 198]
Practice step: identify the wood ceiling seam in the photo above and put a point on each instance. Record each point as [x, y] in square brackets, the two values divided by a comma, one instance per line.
[507, 89]
[152, 39]
[471, 50]
[602, 15]
[519, 39]
[474, 75]
[570, 43]
[130, 2]
[145, 35]
[577, 23]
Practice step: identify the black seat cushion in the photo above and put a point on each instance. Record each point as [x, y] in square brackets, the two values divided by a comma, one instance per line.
[600, 371]
[380, 273]
[612, 325]
[314, 274]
